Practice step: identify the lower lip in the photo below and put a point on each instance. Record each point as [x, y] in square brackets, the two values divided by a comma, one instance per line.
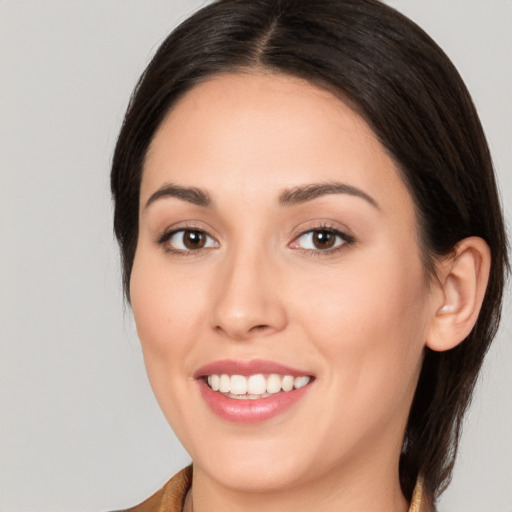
[250, 411]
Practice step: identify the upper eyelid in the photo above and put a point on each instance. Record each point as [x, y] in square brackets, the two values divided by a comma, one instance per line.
[169, 231]
[337, 232]
[322, 225]
[167, 235]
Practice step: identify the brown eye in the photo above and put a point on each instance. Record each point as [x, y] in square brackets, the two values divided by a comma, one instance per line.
[321, 240]
[186, 240]
[324, 239]
[194, 239]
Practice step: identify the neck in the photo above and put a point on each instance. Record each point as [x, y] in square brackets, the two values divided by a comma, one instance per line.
[333, 492]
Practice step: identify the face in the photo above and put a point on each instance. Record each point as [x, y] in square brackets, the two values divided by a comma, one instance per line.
[277, 286]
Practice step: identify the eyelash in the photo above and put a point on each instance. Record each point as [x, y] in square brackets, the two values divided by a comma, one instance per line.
[346, 240]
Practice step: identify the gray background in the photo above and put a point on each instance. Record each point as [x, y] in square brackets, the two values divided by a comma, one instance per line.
[80, 430]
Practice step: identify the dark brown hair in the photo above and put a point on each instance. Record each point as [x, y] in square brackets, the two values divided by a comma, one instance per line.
[398, 79]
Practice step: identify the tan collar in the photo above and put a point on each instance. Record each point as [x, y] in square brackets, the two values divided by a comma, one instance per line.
[420, 501]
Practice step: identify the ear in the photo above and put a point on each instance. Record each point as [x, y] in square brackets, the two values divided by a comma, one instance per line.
[462, 281]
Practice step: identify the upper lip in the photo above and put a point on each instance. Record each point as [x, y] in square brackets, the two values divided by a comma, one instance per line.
[239, 367]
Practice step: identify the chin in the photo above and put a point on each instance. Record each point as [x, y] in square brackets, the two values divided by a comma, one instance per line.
[254, 467]
[253, 477]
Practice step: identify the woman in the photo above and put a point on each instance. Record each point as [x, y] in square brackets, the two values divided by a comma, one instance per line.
[299, 188]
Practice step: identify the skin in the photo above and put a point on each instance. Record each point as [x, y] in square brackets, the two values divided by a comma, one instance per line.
[357, 318]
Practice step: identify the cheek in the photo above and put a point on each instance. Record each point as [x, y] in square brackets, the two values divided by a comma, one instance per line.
[369, 321]
[165, 305]
[167, 309]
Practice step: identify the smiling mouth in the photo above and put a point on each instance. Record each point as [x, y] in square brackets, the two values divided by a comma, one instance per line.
[254, 387]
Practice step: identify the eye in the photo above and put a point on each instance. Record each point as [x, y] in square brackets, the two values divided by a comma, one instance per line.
[325, 239]
[186, 240]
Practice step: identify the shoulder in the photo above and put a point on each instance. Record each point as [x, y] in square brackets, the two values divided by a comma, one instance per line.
[170, 497]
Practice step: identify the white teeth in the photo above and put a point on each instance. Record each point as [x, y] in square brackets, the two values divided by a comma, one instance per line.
[238, 385]
[300, 382]
[287, 383]
[215, 382]
[255, 386]
[225, 384]
[274, 383]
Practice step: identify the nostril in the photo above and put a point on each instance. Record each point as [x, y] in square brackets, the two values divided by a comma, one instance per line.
[260, 327]
[241, 332]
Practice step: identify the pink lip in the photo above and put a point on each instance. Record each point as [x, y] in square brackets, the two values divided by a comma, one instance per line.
[232, 367]
[248, 411]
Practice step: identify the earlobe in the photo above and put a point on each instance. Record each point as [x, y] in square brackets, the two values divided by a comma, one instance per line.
[463, 278]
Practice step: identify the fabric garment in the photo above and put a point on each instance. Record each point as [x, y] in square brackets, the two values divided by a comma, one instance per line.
[171, 496]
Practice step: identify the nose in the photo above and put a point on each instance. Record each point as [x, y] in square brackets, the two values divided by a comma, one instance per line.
[247, 300]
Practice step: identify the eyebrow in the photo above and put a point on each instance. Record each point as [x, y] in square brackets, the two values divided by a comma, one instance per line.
[302, 194]
[294, 196]
[192, 195]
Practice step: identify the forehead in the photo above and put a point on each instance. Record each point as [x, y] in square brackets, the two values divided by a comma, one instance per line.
[247, 133]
